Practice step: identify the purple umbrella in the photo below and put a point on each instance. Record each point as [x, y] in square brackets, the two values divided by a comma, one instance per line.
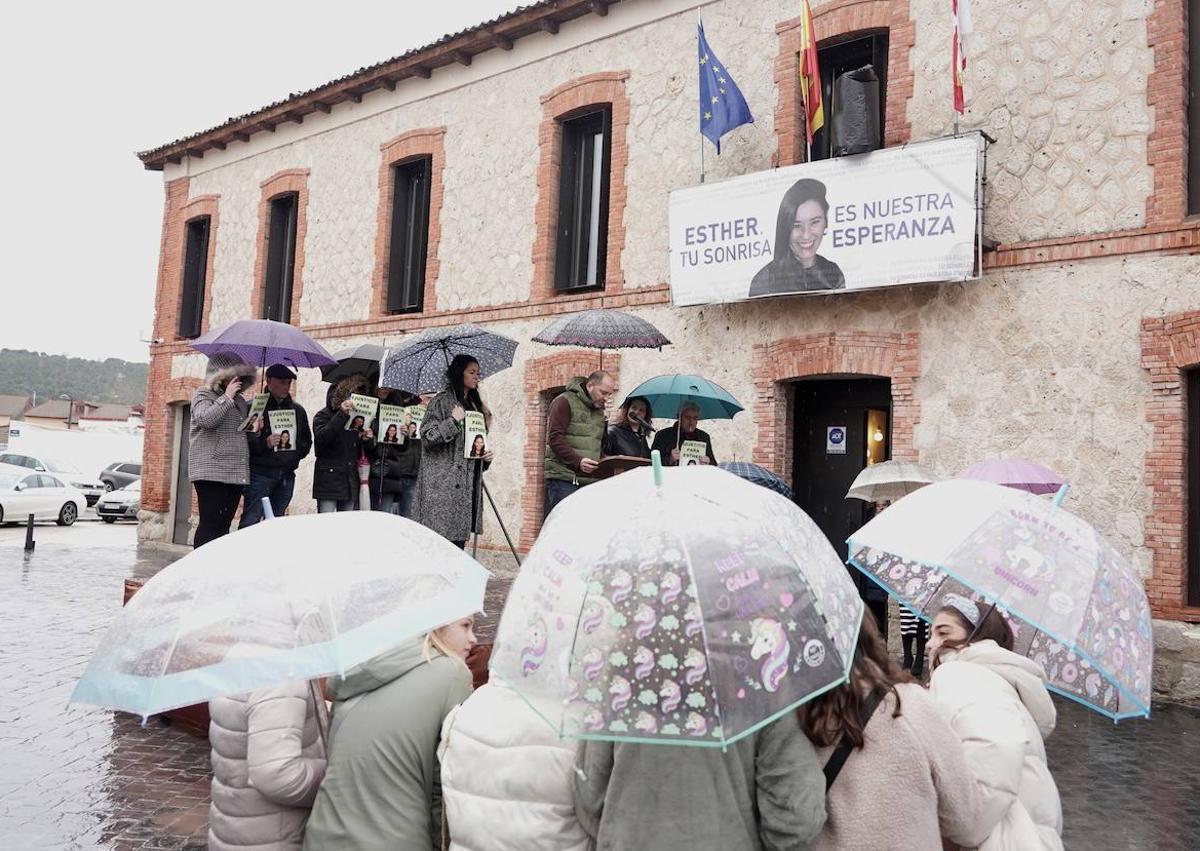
[265, 342]
[1015, 473]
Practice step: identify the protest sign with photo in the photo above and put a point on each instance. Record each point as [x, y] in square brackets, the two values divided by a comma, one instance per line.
[894, 216]
[415, 414]
[363, 413]
[691, 451]
[283, 423]
[392, 427]
[253, 421]
[476, 431]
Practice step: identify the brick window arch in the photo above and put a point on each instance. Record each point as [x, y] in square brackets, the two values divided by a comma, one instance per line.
[292, 180]
[839, 20]
[422, 142]
[203, 206]
[545, 377]
[1170, 349]
[776, 365]
[570, 98]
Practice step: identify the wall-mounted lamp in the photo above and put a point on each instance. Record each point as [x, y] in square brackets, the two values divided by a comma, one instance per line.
[878, 435]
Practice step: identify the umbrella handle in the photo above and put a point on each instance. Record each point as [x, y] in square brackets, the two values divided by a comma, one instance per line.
[1061, 495]
[656, 463]
[268, 512]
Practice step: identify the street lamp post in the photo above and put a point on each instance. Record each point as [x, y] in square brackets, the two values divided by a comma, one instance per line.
[70, 408]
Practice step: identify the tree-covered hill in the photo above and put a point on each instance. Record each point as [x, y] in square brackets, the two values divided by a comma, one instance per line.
[49, 376]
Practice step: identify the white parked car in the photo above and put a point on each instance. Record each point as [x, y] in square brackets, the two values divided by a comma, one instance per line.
[44, 496]
[91, 487]
[123, 503]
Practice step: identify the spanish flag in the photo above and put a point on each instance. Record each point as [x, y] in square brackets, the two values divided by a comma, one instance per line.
[961, 10]
[810, 75]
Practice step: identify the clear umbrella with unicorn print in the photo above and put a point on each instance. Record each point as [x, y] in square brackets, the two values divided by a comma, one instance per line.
[676, 606]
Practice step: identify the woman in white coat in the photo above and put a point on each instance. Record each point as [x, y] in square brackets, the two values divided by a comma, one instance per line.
[506, 777]
[1000, 709]
[267, 762]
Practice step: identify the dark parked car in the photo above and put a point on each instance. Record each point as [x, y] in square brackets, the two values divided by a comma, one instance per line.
[120, 474]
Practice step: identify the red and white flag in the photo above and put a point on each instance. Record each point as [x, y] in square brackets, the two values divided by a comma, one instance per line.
[962, 28]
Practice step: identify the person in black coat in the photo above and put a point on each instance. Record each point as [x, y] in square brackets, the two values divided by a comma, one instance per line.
[668, 441]
[394, 468]
[273, 474]
[628, 435]
[335, 475]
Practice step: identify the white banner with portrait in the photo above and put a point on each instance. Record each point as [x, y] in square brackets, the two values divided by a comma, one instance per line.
[895, 216]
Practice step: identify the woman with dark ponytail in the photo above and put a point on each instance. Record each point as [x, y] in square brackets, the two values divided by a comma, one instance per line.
[448, 483]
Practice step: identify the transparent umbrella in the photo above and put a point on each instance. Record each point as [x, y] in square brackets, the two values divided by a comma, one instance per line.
[691, 612]
[294, 598]
[1075, 605]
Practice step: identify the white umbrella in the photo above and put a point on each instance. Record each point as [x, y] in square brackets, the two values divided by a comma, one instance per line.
[293, 598]
[889, 480]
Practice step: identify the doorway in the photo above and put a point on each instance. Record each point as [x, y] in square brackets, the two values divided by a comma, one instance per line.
[182, 514]
[841, 425]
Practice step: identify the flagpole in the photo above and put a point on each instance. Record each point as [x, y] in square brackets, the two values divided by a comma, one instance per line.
[700, 106]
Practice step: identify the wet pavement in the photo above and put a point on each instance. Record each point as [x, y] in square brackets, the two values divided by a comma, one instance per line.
[75, 777]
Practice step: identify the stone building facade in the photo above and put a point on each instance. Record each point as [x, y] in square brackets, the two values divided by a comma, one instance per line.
[1073, 349]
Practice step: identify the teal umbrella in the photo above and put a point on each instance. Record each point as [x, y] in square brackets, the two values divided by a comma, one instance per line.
[672, 392]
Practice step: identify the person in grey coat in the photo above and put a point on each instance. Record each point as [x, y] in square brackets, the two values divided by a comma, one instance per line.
[766, 792]
[218, 456]
[449, 500]
[267, 764]
[382, 787]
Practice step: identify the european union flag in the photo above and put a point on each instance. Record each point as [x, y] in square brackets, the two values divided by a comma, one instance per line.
[722, 107]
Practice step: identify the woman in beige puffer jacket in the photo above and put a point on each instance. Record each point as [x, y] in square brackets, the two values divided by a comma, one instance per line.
[267, 762]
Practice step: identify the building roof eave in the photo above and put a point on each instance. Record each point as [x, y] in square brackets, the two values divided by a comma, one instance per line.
[457, 48]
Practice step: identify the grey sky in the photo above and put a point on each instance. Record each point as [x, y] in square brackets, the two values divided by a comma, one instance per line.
[91, 83]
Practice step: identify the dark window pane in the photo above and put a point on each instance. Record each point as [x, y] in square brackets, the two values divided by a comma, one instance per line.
[409, 235]
[582, 238]
[281, 258]
[836, 60]
[1193, 487]
[195, 270]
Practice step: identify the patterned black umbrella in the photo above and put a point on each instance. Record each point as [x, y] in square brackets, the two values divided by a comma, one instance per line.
[419, 366]
[363, 358]
[602, 329]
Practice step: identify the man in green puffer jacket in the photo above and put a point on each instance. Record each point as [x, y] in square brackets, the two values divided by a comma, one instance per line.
[575, 429]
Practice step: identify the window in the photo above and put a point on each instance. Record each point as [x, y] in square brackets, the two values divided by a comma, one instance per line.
[837, 59]
[281, 257]
[1192, 389]
[409, 235]
[195, 269]
[582, 239]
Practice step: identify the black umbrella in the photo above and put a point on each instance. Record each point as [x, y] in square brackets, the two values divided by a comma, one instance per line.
[602, 329]
[419, 366]
[363, 358]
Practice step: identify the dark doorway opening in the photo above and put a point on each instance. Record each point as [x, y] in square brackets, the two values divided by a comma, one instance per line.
[182, 516]
[840, 424]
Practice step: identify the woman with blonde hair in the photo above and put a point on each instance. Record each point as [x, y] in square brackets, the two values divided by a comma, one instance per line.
[382, 787]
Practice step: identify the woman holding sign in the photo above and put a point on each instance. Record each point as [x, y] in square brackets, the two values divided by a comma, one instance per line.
[799, 229]
[335, 475]
[448, 482]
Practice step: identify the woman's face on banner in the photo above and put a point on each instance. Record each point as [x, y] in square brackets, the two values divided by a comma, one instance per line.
[807, 231]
